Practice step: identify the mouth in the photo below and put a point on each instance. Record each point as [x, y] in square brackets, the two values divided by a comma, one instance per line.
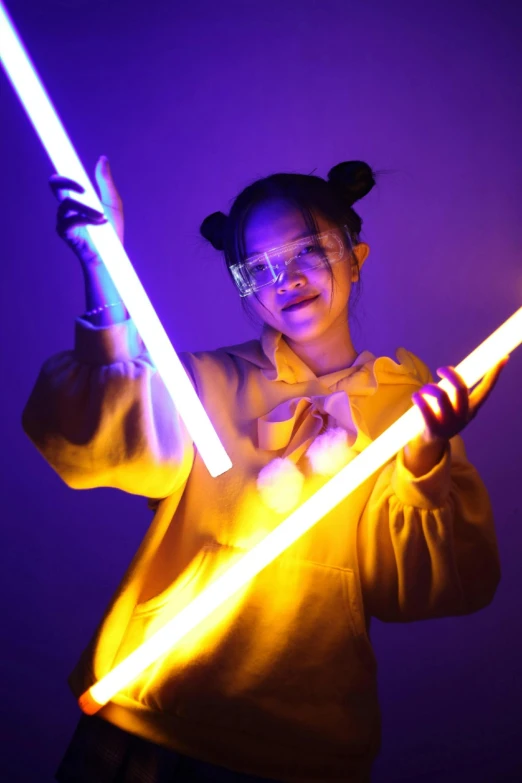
[300, 304]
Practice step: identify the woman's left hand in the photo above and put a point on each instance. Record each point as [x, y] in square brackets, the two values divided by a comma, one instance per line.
[456, 409]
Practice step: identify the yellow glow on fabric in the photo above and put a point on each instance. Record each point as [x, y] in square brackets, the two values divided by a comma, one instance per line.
[51, 132]
[472, 369]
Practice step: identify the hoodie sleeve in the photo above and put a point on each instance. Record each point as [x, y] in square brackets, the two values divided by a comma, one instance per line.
[427, 545]
[101, 416]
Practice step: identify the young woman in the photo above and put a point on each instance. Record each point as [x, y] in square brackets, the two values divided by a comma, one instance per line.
[280, 684]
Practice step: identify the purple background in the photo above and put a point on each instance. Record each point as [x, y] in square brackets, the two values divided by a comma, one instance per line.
[192, 101]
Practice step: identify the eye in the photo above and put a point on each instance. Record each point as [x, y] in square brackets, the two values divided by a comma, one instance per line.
[257, 269]
[306, 251]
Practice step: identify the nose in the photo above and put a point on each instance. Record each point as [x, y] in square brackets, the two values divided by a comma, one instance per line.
[292, 277]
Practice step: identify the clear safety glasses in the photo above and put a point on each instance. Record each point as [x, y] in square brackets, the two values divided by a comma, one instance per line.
[311, 252]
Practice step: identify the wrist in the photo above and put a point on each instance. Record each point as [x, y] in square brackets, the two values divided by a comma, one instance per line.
[107, 314]
[103, 303]
[421, 456]
[90, 263]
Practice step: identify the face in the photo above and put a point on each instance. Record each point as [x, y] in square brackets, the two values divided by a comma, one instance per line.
[277, 223]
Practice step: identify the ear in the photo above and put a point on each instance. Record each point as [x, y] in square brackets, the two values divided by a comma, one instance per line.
[361, 252]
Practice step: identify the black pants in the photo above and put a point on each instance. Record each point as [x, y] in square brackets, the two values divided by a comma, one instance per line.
[102, 753]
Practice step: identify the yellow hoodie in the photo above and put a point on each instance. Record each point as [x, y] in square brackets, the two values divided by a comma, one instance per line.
[280, 682]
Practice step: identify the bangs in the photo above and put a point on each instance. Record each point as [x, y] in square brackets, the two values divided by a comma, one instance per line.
[309, 195]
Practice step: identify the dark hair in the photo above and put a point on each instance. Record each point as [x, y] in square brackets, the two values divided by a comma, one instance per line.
[333, 197]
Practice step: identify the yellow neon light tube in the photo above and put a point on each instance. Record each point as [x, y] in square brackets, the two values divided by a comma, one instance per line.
[57, 144]
[472, 369]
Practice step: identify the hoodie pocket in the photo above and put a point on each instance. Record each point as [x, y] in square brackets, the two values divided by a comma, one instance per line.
[174, 592]
[288, 656]
[151, 615]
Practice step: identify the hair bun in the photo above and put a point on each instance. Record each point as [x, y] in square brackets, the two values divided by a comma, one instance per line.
[353, 178]
[213, 229]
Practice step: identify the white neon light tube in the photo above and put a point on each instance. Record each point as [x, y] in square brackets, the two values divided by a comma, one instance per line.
[505, 339]
[51, 132]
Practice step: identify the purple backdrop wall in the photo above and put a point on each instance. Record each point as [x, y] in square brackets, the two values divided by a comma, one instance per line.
[190, 102]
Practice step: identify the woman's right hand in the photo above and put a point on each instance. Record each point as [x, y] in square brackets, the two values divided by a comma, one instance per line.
[73, 216]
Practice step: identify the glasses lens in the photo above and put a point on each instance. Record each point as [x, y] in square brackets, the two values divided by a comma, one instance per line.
[260, 271]
[307, 253]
